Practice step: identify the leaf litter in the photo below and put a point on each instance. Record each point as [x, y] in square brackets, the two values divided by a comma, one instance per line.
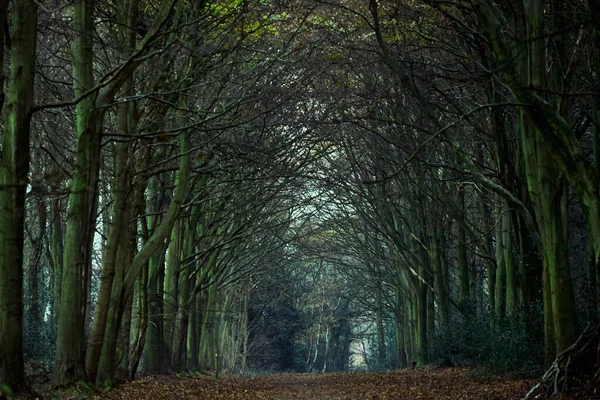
[422, 384]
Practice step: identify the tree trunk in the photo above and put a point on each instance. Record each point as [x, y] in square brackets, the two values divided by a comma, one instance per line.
[106, 369]
[463, 264]
[530, 267]
[142, 322]
[107, 362]
[509, 263]
[171, 283]
[500, 290]
[549, 338]
[401, 317]
[191, 359]
[57, 254]
[116, 228]
[70, 347]
[183, 293]
[421, 314]
[563, 302]
[594, 263]
[90, 111]
[124, 338]
[553, 131]
[3, 28]
[139, 207]
[154, 349]
[326, 351]
[14, 169]
[245, 333]
[379, 322]
[548, 190]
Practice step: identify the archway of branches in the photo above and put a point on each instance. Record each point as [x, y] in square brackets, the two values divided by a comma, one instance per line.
[296, 185]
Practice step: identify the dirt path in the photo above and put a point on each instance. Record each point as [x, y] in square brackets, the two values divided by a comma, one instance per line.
[418, 384]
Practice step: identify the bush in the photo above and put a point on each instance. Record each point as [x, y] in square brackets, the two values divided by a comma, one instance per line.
[512, 346]
[38, 340]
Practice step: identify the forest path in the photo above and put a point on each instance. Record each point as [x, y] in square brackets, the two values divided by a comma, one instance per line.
[450, 383]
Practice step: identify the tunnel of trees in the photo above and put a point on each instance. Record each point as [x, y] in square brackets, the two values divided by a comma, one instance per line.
[295, 185]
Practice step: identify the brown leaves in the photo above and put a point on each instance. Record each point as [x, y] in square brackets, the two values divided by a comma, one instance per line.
[407, 384]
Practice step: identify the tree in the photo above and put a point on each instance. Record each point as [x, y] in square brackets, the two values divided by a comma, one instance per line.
[90, 112]
[14, 169]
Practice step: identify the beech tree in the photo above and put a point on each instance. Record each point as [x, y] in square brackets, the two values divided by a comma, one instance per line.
[288, 184]
[17, 105]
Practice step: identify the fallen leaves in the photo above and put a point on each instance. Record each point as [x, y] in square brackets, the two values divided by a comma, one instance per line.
[439, 384]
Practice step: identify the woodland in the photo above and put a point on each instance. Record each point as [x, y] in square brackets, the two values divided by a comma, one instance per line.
[244, 187]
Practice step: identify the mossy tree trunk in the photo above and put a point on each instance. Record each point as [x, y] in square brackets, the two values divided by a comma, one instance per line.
[551, 153]
[117, 227]
[183, 293]
[90, 111]
[500, 274]
[420, 304]
[594, 12]
[512, 283]
[548, 189]
[139, 333]
[70, 347]
[123, 291]
[14, 169]
[57, 249]
[171, 284]
[154, 348]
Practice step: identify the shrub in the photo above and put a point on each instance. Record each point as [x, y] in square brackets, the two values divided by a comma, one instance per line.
[511, 346]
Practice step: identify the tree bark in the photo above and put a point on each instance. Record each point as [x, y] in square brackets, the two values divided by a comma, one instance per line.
[171, 285]
[379, 322]
[70, 347]
[500, 302]
[116, 228]
[154, 349]
[555, 133]
[57, 254]
[14, 169]
[509, 263]
[463, 265]
[90, 111]
[106, 368]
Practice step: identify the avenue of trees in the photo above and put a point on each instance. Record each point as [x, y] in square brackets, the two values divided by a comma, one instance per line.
[259, 185]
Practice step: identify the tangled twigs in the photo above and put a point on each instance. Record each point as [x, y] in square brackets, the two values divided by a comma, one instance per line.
[575, 372]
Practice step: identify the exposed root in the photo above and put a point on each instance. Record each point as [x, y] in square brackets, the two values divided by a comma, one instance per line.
[575, 372]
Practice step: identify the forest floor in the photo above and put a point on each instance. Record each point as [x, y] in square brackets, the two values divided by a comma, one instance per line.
[433, 383]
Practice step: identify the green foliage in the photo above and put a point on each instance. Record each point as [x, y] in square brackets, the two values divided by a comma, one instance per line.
[106, 385]
[5, 391]
[84, 387]
[222, 9]
[38, 340]
[512, 346]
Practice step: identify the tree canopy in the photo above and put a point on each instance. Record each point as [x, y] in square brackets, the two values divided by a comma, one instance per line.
[296, 185]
